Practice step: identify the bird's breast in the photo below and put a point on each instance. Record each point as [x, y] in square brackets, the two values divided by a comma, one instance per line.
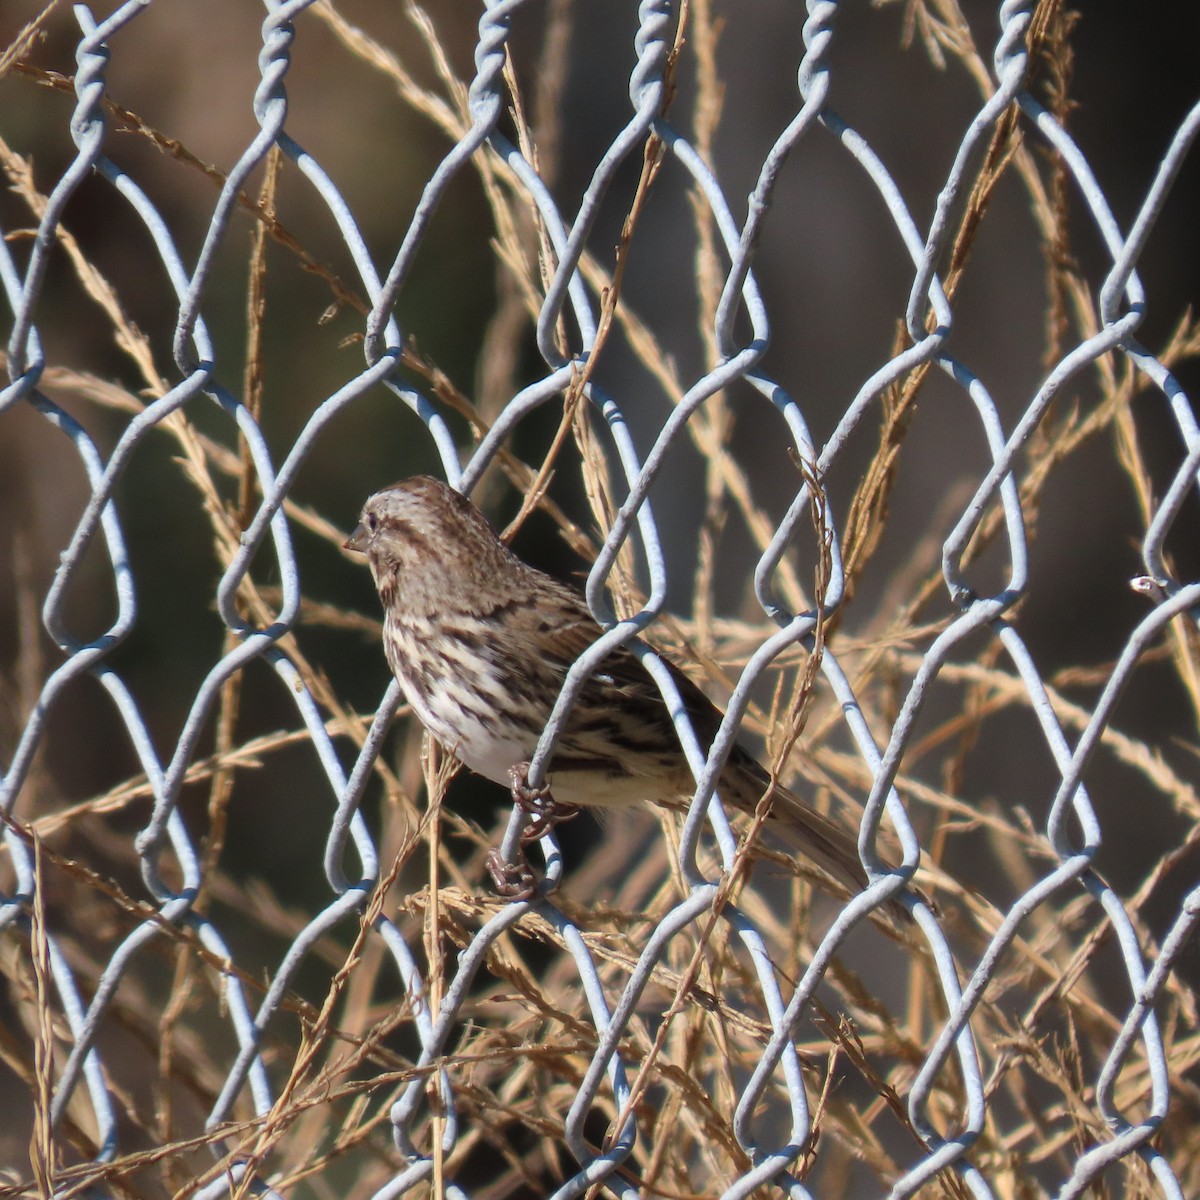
[488, 713]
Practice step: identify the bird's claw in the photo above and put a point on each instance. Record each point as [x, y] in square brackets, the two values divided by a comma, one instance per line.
[513, 881]
[516, 880]
[538, 804]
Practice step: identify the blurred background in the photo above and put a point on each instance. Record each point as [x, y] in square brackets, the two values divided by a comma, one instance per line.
[375, 95]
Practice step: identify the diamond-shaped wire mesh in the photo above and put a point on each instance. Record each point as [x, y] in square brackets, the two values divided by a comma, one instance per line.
[892, 458]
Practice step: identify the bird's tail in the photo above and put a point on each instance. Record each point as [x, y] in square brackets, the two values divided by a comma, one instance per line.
[823, 842]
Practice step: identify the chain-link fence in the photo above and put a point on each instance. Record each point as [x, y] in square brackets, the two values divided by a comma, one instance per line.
[892, 458]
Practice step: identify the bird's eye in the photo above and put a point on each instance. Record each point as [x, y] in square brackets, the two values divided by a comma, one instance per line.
[371, 521]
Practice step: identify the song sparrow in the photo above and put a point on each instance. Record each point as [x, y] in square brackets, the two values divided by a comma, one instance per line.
[481, 643]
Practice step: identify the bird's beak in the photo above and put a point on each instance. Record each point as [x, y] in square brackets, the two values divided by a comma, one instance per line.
[358, 540]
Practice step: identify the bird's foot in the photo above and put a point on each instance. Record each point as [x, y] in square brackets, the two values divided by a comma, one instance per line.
[513, 881]
[538, 804]
[516, 880]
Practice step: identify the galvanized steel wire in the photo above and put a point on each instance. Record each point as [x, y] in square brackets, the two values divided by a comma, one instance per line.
[568, 327]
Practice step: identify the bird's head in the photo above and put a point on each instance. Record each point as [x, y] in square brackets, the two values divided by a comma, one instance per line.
[421, 533]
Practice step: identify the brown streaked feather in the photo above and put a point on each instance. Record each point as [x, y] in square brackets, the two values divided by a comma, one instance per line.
[743, 781]
[481, 643]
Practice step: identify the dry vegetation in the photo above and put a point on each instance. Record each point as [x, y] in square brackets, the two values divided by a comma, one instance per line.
[342, 1047]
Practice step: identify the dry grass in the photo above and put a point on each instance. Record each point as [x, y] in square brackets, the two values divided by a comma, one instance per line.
[342, 1048]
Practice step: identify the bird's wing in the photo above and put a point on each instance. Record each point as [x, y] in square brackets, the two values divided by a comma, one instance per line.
[623, 685]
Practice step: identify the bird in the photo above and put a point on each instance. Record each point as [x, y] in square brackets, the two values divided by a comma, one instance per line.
[481, 642]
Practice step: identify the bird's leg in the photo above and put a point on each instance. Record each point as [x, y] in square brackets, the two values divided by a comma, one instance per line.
[516, 880]
[543, 810]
